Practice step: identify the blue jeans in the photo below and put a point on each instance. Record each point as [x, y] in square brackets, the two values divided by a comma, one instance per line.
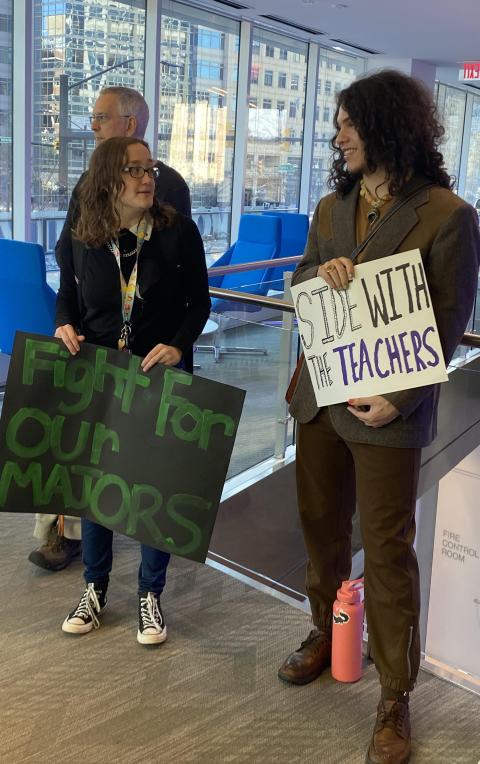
[98, 557]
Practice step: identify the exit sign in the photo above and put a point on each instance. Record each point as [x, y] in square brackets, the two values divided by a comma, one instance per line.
[470, 71]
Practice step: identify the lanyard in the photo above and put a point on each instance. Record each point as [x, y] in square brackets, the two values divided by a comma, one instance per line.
[128, 290]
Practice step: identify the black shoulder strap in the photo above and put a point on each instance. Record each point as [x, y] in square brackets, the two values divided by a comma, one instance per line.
[398, 205]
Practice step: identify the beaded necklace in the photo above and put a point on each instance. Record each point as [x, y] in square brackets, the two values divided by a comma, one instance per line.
[125, 237]
[374, 213]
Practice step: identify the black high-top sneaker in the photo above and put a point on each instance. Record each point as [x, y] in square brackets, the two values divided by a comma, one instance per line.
[152, 629]
[85, 616]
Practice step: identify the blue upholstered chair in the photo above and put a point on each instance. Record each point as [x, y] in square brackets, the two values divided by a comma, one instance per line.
[27, 302]
[293, 239]
[258, 239]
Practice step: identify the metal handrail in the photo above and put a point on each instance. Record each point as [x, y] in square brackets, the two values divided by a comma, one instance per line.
[253, 299]
[257, 265]
[469, 339]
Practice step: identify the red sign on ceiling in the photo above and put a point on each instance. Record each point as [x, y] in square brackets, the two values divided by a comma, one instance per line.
[471, 70]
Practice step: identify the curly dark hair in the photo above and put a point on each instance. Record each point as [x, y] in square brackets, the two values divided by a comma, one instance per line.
[99, 219]
[395, 116]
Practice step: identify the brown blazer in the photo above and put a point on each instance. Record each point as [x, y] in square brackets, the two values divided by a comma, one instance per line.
[445, 229]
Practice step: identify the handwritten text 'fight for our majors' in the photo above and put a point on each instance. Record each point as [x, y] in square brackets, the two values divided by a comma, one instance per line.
[401, 352]
[81, 485]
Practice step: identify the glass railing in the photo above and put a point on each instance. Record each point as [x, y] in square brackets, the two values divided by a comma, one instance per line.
[46, 228]
[6, 231]
[256, 350]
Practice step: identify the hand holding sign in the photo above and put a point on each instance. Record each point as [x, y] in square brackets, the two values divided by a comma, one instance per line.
[374, 411]
[337, 272]
[69, 337]
[379, 335]
[166, 354]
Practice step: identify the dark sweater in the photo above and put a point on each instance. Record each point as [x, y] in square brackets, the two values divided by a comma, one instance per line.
[174, 303]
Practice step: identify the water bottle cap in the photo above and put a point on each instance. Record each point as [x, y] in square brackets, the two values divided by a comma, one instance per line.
[350, 591]
[348, 596]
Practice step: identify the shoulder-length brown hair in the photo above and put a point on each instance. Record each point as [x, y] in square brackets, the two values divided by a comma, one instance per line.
[99, 218]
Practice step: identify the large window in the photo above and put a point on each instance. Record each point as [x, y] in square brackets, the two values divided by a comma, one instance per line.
[471, 192]
[472, 184]
[6, 30]
[274, 148]
[78, 47]
[335, 72]
[81, 46]
[451, 108]
[198, 91]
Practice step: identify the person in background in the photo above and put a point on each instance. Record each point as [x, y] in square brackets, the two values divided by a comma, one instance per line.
[366, 452]
[118, 112]
[132, 276]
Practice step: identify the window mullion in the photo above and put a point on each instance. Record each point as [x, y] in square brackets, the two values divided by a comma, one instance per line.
[22, 119]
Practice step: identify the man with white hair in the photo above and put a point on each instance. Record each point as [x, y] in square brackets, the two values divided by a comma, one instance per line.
[118, 112]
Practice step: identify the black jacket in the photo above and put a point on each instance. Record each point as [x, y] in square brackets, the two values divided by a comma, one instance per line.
[173, 303]
[171, 188]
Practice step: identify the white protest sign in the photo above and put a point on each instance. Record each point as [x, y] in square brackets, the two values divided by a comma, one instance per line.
[375, 337]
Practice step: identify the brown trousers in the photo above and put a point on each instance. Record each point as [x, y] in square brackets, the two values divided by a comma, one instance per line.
[333, 476]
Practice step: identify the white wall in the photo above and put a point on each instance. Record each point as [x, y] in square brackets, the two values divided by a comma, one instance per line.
[423, 70]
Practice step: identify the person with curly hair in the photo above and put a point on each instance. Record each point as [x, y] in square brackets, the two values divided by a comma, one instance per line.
[366, 453]
[132, 277]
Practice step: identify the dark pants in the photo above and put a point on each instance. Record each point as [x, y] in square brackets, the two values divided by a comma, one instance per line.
[332, 476]
[97, 558]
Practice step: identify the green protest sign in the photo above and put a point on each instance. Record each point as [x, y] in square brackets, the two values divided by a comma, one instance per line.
[93, 436]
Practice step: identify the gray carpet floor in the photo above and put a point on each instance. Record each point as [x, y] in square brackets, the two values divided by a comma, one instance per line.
[209, 695]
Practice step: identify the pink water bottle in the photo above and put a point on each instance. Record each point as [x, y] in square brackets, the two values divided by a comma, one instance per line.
[347, 632]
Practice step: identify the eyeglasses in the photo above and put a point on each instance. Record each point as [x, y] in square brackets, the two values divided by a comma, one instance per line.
[138, 172]
[102, 118]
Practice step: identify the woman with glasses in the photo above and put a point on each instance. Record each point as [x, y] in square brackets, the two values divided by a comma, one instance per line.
[132, 277]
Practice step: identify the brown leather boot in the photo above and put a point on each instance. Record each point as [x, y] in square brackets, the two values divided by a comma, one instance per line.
[57, 552]
[391, 735]
[307, 663]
